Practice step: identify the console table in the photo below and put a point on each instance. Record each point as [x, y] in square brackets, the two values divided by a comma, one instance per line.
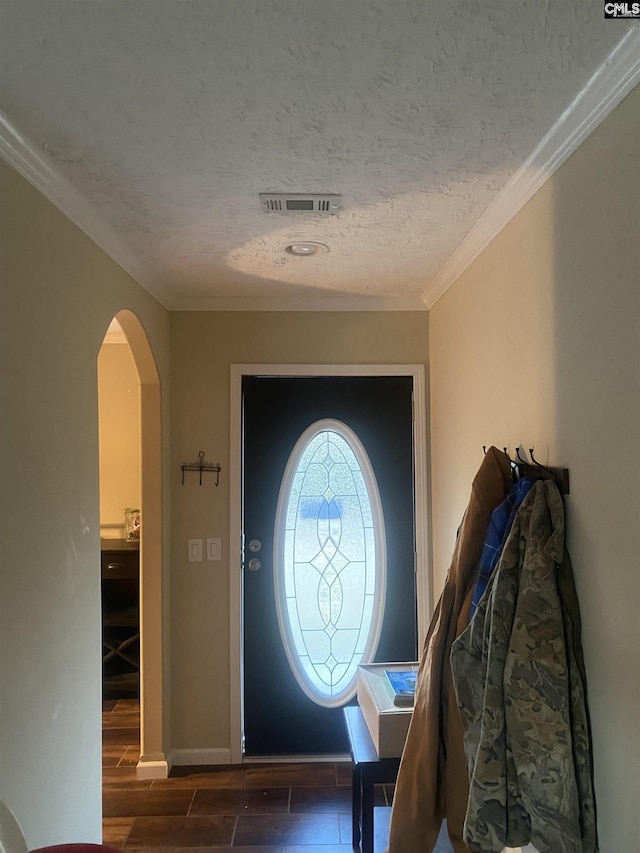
[368, 770]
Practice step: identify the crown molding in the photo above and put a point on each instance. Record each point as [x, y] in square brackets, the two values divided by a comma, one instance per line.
[616, 77]
[41, 172]
[347, 302]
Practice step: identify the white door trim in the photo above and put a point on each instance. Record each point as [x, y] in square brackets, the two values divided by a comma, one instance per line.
[423, 567]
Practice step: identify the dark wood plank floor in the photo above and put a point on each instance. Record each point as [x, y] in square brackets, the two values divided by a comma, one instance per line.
[276, 808]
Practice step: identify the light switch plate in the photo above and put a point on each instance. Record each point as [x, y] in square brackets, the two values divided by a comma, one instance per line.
[214, 549]
[194, 550]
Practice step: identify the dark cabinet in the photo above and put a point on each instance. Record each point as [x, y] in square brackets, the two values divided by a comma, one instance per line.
[120, 567]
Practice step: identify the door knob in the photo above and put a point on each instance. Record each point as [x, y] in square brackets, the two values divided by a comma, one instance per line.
[254, 564]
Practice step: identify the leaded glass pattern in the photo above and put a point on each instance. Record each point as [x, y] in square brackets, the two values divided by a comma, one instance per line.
[329, 561]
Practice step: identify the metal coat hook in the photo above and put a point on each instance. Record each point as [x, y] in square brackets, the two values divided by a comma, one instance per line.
[560, 475]
[201, 465]
[534, 460]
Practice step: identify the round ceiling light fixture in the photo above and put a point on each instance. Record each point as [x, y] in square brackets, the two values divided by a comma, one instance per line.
[305, 248]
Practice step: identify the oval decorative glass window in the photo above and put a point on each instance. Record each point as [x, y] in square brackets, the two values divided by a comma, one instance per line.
[329, 561]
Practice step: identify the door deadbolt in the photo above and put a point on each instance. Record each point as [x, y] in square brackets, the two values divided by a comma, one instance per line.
[255, 545]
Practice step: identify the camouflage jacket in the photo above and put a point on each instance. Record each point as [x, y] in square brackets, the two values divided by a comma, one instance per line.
[519, 681]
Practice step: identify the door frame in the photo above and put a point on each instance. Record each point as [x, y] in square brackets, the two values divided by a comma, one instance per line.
[421, 526]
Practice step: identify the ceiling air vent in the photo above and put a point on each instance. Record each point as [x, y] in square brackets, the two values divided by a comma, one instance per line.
[300, 202]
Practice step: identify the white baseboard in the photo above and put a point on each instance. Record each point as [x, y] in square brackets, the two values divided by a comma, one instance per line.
[298, 759]
[152, 769]
[198, 757]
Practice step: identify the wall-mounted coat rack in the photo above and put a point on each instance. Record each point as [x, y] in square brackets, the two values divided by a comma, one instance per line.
[201, 465]
[559, 475]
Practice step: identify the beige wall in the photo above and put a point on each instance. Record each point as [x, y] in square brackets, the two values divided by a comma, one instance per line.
[58, 294]
[203, 346]
[119, 433]
[539, 343]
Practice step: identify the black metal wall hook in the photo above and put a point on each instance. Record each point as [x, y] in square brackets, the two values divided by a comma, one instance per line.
[201, 465]
[535, 461]
[559, 475]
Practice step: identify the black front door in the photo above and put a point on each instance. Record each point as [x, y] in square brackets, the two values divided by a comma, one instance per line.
[279, 717]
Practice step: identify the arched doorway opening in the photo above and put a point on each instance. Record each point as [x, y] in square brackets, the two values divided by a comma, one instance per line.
[153, 761]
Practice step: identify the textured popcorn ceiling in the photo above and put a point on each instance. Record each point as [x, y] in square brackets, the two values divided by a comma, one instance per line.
[170, 116]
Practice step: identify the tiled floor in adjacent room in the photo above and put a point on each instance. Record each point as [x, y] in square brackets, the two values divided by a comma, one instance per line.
[259, 808]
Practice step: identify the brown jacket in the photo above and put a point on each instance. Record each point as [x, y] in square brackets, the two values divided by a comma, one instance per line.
[432, 781]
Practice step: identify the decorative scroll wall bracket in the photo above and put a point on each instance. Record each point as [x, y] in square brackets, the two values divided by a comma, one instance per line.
[201, 465]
